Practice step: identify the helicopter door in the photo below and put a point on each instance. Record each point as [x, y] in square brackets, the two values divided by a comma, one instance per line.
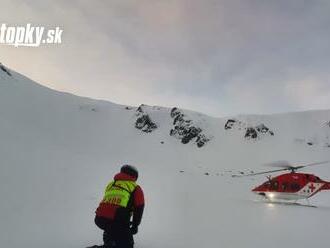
[295, 187]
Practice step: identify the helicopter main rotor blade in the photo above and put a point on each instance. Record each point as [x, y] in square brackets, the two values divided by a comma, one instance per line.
[311, 164]
[287, 165]
[260, 173]
[279, 164]
[282, 164]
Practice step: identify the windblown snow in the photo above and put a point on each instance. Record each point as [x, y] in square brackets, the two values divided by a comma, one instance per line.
[58, 151]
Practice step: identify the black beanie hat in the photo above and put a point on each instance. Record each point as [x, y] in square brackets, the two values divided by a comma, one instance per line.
[129, 170]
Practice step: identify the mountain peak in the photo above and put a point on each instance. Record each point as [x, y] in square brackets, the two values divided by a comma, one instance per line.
[5, 70]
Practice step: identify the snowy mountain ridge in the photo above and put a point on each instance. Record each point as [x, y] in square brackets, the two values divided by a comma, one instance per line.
[191, 125]
[59, 151]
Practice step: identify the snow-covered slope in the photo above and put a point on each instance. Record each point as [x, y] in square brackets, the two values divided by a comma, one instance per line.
[58, 151]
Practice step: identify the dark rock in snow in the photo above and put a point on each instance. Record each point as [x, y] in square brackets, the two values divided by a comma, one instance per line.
[230, 123]
[174, 112]
[140, 108]
[188, 133]
[254, 132]
[263, 129]
[3, 68]
[145, 124]
[235, 124]
[185, 130]
[251, 133]
[202, 140]
[143, 121]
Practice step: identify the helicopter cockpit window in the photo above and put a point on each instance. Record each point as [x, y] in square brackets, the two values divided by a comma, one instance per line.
[274, 185]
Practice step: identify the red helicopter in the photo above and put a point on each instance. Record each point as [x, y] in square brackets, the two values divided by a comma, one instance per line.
[290, 186]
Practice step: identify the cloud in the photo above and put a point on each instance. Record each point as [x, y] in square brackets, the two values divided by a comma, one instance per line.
[219, 57]
[309, 93]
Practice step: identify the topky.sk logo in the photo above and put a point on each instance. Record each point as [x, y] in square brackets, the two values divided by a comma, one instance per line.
[30, 36]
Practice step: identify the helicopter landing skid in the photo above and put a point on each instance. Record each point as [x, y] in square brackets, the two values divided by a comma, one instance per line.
[286, 203]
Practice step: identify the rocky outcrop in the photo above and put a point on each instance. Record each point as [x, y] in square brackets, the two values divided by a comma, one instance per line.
[235, 124]
[145, 124]
[202, 140]
[143, 121]
[257, 131]
[250, 132]
[230, 124]
[3, 68]
[185, 130]
[261, 128]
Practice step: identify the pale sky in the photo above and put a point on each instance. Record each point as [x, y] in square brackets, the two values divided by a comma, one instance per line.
[217, 57]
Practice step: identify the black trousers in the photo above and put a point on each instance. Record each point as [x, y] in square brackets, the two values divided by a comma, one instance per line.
[116, 234]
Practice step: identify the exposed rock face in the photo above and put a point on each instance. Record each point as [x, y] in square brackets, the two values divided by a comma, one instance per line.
[143, 121]
[251, 132]
[263, 129]
[185, 130]
[145, 124]
[3, 68]
[202, 140]
[257, 131]
[235, 124]
[230, 123]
